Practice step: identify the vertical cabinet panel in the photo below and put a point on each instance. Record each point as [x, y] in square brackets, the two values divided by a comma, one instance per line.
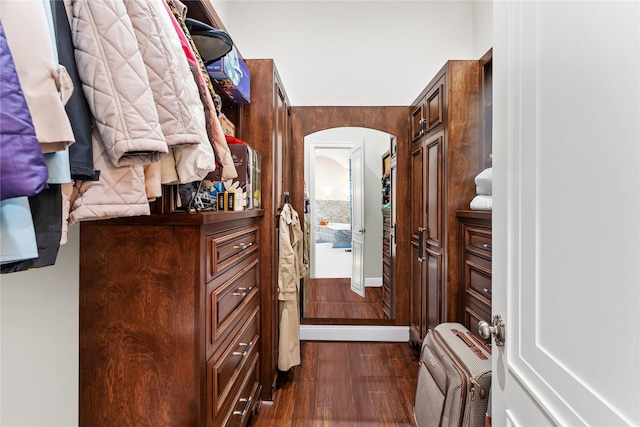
[417, 292]
[434, 191]
[434, 290]
[267, 127]
[434, 103]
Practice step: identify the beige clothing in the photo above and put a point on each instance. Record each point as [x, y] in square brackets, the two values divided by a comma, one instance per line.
[46, 86]
[115, 83]
[290, 270]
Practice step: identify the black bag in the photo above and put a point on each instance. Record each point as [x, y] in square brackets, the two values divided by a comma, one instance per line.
[212, 43]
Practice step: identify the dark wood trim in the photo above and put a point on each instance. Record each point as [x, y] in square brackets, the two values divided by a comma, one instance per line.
[393, 120]
[204, 11]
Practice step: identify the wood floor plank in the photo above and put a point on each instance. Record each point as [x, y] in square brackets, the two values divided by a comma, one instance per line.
[334, 299]
[351, 384]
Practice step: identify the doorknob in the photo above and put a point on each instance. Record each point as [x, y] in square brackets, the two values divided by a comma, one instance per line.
[497, 330]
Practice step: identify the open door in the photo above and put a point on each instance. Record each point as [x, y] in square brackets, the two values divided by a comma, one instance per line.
[356, 162]
[566, 238]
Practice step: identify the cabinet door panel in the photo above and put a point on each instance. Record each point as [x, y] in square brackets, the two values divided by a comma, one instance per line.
[416, 310]
[434, 190]
[434, 289]
[417, 117]
[433, 113]
[417, 190]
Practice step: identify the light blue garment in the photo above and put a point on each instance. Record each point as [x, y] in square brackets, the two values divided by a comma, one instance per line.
[59, 167]
[52, 30]
[17, 234]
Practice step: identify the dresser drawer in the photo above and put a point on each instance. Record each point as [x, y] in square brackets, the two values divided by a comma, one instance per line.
[477, 240]
[244, 401]
[227, 249]
[474, 312]
[226, 370]
[477, 277]
[227, 302]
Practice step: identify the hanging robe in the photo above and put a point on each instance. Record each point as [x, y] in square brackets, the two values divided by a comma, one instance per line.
[290, 269]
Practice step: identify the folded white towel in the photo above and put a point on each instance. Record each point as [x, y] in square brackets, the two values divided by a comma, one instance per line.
[481, 203]
[484, 181]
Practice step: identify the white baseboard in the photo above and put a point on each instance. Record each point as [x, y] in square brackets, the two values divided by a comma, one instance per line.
[373, 282]
[354, 333]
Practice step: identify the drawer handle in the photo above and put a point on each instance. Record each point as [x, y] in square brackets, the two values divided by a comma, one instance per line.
[247, 347]
[244, 292]
[489, 291]
[243, 246]
[486, 246]
[247, 402]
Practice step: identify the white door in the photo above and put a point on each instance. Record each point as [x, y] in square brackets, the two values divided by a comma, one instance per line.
[356, 161]
[566, 213]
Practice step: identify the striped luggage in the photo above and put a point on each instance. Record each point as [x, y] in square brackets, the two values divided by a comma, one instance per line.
[453, 378]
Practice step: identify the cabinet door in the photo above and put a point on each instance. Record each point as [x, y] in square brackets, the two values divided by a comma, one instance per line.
[417, 276]
[433, 107]
[417, 121]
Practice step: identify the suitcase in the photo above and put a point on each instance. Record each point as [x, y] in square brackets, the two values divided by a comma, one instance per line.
[453, 379]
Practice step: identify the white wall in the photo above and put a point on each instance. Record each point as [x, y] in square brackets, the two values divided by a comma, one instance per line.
[328, 53]
[39, 330]
[482, 27]
[353, 52]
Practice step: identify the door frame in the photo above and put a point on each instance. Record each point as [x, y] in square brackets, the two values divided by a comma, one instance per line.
[310, 166]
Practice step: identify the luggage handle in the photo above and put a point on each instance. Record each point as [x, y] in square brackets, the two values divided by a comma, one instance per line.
[470, 343]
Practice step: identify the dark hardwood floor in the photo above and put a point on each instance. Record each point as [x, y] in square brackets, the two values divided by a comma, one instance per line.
[344, 384]
[333, 298]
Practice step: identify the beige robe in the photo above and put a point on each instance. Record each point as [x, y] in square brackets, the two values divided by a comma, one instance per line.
[290, 270]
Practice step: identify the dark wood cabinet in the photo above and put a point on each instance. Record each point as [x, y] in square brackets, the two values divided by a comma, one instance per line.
[170, 319]
[445, 158]
[475, 269]
[267, 127]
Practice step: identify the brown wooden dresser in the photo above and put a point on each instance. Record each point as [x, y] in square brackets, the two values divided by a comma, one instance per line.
[170, 319]
[475, 275]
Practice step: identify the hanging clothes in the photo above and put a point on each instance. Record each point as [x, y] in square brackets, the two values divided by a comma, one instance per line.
[22, 166]
[290, 270]
[77, 108]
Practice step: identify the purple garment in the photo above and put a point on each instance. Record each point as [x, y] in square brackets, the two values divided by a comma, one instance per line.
[23, 171]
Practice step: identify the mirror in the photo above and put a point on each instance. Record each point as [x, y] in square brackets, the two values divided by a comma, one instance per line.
[392, 120]
[346, 265]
